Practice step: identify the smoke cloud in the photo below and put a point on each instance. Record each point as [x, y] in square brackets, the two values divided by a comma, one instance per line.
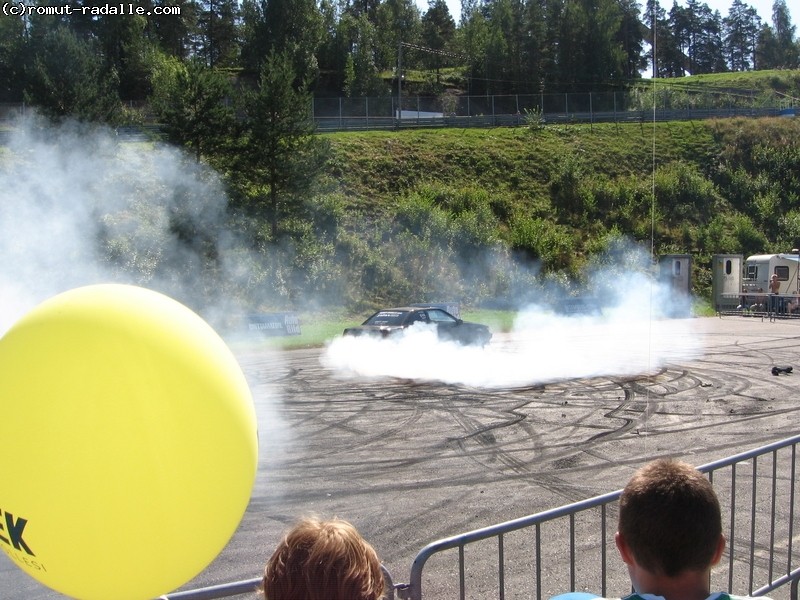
[79, 207]
[623, 329]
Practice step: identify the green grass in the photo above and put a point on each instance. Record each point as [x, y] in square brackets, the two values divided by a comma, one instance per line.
[783, 81]
[374, 168]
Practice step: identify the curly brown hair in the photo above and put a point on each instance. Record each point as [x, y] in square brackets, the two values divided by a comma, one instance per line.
[323, 560]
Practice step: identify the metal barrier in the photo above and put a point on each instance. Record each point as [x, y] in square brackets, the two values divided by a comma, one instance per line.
[760, 535]
[569, 548]
[763, 305]
[249, 586]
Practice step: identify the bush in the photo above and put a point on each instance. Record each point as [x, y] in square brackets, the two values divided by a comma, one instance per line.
[544, 241]
[684, 194]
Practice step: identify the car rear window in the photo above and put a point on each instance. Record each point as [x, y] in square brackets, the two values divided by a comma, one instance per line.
[386, 317]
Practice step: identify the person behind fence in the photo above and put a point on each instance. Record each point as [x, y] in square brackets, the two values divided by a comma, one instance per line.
[774, 289]
[323, 560]
[669, 534]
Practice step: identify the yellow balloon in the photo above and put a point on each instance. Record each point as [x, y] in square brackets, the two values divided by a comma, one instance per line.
[129, 443]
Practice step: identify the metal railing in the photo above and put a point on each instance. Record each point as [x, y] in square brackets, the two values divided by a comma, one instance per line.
[248, 586]
[569, 548]
[763, 305]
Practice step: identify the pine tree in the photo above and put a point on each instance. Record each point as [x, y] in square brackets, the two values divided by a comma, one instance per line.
[787, 51]
[740, 28]
[398, 21]
[290, 27]
[708, 55]
[192, 101]
[438, 31]
[278, 154]
[361, 75]
[12, 53]
[217, 39]
[127, 52]
[631, 37]
[172, 34]
[67, 77]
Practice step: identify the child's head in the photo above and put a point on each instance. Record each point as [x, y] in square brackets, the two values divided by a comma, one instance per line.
[669, 519]
[323, 560]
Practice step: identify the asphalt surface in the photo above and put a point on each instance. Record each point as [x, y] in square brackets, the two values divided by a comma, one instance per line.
[410, 462]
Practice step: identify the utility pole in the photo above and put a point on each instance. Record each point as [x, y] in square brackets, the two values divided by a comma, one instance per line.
[399, 83]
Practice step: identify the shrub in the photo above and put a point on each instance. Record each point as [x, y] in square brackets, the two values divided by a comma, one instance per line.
[684, 193]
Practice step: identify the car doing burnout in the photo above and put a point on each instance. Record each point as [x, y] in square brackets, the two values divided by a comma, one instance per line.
[394, 321]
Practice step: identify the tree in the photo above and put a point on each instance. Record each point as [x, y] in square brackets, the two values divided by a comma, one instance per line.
[398, 21]
[631, 37]
[696, 30]
[533, 49]
[740, 28]
[361, 75]
[605, 58]
[278, 153]
[127, 52]
[708, 56]
[12, 52]
[474, 36]
[589, 52]
[572, 31]
[438, 30]
[174, 34]
[684, 29]
[290, 27]
[253, 44]
[333, 51]
[553, 15]
[767, 48]
[191, 100]
[68, 77]
[776, 48]
[217, 39]
[501, 54]
[666, 57]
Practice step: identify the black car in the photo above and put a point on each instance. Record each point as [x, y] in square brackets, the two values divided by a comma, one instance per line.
[393, 321]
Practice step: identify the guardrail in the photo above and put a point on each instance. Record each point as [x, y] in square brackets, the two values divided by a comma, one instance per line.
[569, 548]
[760, 533]
[248, 586]
[759, 304]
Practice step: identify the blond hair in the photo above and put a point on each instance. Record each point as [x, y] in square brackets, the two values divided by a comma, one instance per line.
[323, 560]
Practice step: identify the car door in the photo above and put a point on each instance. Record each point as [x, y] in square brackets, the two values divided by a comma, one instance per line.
[446, 324]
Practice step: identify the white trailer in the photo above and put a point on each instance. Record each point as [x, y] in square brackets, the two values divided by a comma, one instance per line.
[759, 269]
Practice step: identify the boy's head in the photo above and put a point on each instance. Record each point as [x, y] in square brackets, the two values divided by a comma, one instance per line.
[669, 520]
[323, 560]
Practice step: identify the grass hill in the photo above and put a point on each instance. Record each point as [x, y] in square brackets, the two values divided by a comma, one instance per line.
[783, 83]
[555, 194]
[376, 165]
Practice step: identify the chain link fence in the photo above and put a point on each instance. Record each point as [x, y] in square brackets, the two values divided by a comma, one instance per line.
[657, 102]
